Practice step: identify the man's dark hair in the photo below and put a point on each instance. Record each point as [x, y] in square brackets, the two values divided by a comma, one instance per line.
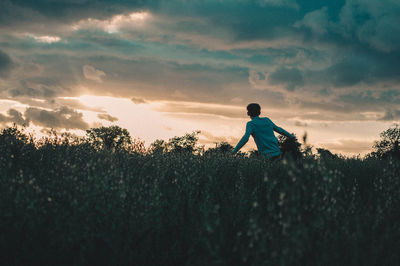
[254, 109]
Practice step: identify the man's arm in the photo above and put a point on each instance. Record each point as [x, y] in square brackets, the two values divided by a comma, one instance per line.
[244, 139]
[281, 131]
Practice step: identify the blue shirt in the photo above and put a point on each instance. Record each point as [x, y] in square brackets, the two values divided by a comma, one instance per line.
[262, 129]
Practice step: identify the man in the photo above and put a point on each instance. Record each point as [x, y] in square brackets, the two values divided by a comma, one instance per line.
[262, 129]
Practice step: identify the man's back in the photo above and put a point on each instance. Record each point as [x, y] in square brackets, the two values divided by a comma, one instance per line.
[262, 129]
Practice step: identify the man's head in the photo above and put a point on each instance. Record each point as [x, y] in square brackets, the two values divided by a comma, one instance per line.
[253, 109]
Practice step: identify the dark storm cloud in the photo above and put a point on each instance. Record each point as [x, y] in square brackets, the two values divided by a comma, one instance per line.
[367, 67]
[19, 11]
[5, 64]
[245, 20]
[62, 118]
[13, 116]
[191, 50]
[347, 73]
[289, 77]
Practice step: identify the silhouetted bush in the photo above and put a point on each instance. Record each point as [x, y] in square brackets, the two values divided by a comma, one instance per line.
[290, 147]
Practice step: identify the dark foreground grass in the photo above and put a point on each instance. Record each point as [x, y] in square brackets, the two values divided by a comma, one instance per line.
[71, 205]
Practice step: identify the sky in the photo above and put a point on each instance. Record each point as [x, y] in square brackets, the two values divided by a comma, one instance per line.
[163, 68]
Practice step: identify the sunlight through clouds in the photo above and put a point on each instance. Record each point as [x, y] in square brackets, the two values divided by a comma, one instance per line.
[115, 23]
[45, 39]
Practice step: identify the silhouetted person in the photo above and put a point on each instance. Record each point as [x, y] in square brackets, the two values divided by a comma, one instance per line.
[262, 129]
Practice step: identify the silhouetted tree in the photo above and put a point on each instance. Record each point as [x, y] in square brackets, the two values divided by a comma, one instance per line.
[110, 138]
[186, 143]
[389, 144]
[324, 153]
[290, 146]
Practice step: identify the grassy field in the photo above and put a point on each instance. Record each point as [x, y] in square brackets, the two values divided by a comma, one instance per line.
[64, 204]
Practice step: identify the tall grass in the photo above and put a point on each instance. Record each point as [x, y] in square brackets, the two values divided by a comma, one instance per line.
[64, 204]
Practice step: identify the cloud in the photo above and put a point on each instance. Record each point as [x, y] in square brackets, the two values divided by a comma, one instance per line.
[315, 59]
[115, 23]
[374, 23]
[383, 98]
[277, 80]
[41, 92]
[93, 74]
[138, 100]
[391, 115]
[202, 108]
[14, 116]
[62, 118]
[317, 21]
[5, 65]
[300, 124]
[207, 138]
[288, 3]
[288, 77]
[16, 12]
[349, 146]
[45, 38]
[348, 72]
[107, 117]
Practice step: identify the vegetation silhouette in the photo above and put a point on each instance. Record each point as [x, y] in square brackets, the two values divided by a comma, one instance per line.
[111, 138]
[65, 200]
[290, 147]
[389, 144]
[220, 147]
[183, 144]
[324, 153]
